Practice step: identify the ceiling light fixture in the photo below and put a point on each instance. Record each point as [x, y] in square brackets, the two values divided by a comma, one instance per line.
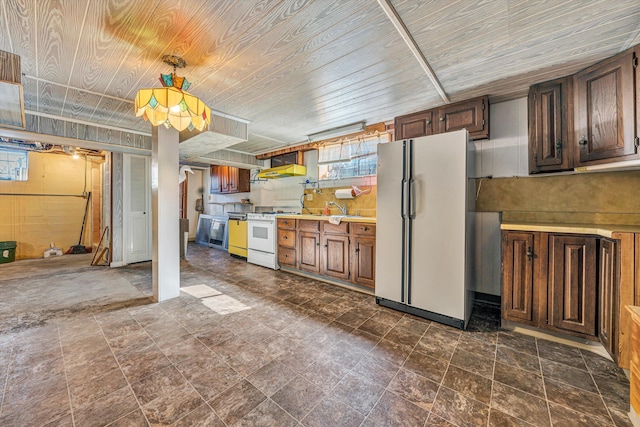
[172, 105]
[337, 131]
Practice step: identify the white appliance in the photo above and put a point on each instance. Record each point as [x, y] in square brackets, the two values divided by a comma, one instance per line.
[262, 240]
[425, 216]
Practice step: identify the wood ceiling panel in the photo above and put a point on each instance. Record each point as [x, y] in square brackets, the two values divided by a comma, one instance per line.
[30, 90]
[50, 98]
[296, 70]
[259, 23]
[21, 24]
[80, 104]
[279, 44]
[59, 23]
[605, 42]
[169, 22]
[106, 39]
[5, 39]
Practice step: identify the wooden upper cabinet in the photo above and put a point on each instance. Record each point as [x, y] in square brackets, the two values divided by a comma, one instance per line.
[605, 111]
[229, 179]
[472, 114]
[468, 115]
[572, 302]
[414, 125]
[550, 118]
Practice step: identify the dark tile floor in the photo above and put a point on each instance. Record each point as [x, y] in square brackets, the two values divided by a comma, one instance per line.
[272, 349]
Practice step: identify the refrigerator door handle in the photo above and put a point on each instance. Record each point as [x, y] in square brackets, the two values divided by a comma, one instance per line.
[412, 198]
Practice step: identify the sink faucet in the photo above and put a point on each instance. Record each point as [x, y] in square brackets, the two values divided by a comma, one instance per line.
[343, 209]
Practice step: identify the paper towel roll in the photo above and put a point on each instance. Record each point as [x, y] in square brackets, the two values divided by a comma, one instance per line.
[344, 194]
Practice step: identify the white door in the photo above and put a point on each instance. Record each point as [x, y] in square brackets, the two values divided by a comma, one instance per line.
[137, 208]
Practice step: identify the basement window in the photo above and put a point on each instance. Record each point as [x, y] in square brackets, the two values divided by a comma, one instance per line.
[350, 158]
[13, 165]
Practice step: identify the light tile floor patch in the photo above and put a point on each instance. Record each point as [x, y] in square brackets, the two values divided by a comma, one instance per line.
[224, 304]
[201, 291]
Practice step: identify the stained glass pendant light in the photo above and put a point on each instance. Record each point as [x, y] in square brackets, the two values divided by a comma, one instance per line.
[171, 104]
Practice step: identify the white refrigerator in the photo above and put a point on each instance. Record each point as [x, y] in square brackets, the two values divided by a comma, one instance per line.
[425, 219]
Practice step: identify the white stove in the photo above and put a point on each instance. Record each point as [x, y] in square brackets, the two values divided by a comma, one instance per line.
[262, 248]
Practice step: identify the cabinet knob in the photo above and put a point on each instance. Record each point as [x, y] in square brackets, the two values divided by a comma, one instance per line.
[442, 119]
[428, 122]
[364, 228]
[285, 237]
[559, 145]
[325, 245]
[529, 252]
[286, 256]
[583, 141]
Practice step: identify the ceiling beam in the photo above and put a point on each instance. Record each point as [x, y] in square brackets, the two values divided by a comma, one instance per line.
[398, 23]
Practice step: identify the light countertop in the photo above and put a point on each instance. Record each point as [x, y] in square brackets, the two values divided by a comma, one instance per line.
[364, 219]
[597, 229]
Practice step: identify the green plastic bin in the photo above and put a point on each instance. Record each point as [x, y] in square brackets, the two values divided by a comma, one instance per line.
[7, 252]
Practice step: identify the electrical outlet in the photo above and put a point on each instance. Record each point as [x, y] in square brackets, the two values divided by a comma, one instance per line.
[309, 197]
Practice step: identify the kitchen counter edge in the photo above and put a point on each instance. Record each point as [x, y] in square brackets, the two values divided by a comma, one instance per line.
[363, 219]
[605, 230]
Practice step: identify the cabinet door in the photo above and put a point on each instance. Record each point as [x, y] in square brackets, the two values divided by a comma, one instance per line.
[309, 251]
[223, 177]
[468, 115]
[605, 112]
[607, 295]
[572, 284]
[232, 174]
[363, 261]
[414, 125]
[335, 251]
[215, 179]
[244, 181]
[549, 124]
[517, 276]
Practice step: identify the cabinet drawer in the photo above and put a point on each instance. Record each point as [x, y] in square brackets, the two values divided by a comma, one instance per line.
[342, 228]
[360, 229]
[287, 223]
[308, 225]
[286, 256]
[287, 238]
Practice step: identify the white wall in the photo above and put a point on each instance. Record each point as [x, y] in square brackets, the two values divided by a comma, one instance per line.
[504, 155]
[194, 191]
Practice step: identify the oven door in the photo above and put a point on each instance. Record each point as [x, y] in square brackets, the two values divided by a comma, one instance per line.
[261, 236]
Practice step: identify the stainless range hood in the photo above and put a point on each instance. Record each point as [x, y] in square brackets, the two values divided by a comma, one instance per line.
[283, 172]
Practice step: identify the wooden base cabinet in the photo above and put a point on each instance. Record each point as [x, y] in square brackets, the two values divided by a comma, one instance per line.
[608, 300]
[334, 252]
[308, 248]
[344, 251]
[572, 284]
[287, 242]
[517, 280]
[363, 255]
[564, 283]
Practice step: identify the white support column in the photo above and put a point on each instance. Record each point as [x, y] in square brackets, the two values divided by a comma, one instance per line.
[166, 213]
